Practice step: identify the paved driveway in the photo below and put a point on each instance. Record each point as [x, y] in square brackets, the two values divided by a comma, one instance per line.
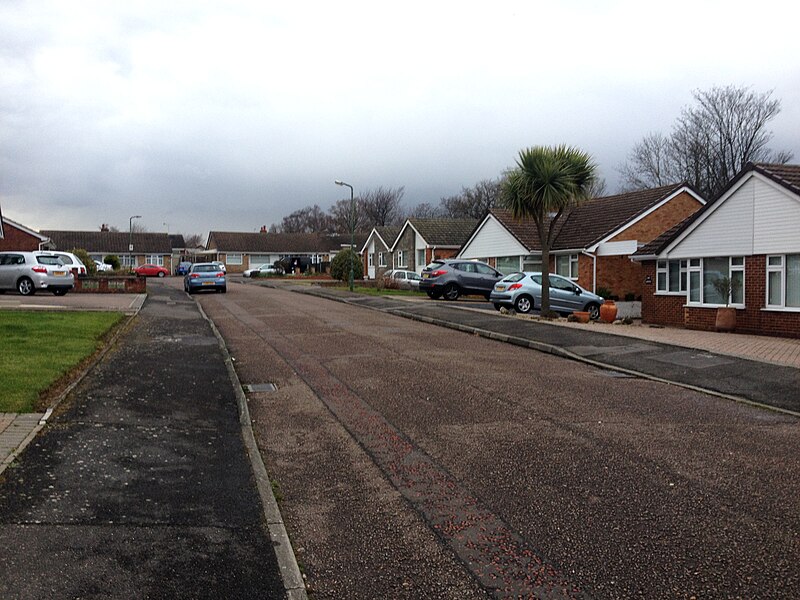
[419, 462]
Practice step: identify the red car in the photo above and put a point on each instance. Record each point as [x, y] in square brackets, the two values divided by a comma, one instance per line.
[151, 271]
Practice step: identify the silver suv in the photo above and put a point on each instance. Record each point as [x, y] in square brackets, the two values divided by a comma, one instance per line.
[28, 272]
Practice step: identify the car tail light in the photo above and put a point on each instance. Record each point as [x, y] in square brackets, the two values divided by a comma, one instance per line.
[220, 274]
[194, 276]
[39, 269]
[438, 273]
[514, 286]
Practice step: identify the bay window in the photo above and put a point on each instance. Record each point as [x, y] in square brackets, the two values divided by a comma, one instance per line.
[703, 272]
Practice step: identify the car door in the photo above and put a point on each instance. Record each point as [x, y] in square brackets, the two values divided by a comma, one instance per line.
[562, 295]
[468, 277]
[11, 267]
[487, 277]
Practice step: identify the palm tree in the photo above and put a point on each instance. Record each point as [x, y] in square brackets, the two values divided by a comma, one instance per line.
[546, 183]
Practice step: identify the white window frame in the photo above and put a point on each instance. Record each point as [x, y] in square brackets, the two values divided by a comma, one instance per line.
[697, 266]
[779, 268]
[370, 260]
[382, 259]
[663, 268]
[401, 258]
[572, 265]
[155, 259]
[234, 259]
[127, 260]
[420, 254]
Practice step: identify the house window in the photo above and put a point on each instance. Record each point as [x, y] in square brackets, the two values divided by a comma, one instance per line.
[420, 258]
[507, 264]
[671, 276]
[567, 266]
[401, 258]
[370, 260]
[381, 259]
[532, 262]
[234, 259]
[703, 272]
[155, 259]
[783, 281]
[126, 260]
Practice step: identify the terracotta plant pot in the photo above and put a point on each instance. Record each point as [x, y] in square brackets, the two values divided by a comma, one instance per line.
[726, 318]
[608, 311]
[581, 316]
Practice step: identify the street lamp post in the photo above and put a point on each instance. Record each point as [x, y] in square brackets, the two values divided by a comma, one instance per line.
[130, 239]
[352, 227]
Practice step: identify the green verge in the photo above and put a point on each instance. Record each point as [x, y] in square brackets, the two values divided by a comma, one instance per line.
[37, 348]
[371, 291]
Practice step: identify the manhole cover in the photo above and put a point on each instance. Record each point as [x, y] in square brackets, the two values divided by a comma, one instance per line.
[260, 387]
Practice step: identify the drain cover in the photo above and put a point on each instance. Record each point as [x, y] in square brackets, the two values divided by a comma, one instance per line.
[260, 387]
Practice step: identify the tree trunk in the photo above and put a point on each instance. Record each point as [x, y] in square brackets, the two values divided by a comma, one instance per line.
[544, 238]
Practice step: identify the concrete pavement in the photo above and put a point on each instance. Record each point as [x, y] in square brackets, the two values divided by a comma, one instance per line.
[141, 487]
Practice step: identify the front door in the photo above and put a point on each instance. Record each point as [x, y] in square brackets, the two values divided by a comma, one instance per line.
[371, 261]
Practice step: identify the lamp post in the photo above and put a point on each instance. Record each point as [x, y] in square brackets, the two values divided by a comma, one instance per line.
[130, 239]
[352, 227]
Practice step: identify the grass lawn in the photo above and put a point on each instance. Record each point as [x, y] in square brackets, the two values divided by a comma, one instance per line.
[373, 291]
[37, 348]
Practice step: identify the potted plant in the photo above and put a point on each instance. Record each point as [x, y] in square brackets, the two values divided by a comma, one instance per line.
[726, 315]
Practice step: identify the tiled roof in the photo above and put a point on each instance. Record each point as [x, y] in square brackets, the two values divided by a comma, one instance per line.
[111, 242]
[444, 232]
[176, 240]
[388, 234]
[279, 243]
[786, 175]
[590, 222]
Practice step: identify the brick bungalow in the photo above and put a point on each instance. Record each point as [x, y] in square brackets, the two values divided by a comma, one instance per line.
[422, 240]
[18, 237]
[148, 248]
[595, 241]
[375, 253]
[243, 250]
[751, 233]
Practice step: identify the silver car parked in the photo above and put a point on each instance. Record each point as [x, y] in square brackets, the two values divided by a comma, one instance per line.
[407, 280]
[523, 293]
[28, 272]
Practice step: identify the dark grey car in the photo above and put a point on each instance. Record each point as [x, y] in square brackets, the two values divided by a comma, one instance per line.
[450, 278]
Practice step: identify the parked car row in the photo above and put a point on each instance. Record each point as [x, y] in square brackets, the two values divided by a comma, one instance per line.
[452, 278]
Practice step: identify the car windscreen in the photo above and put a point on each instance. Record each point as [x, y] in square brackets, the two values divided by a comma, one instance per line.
[514, 277]
[205, 269]
[434, 265]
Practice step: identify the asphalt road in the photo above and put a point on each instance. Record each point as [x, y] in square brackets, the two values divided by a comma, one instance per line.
[420, 462]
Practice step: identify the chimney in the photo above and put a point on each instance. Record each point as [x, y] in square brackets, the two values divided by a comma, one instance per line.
[104, 227]
[263, 229]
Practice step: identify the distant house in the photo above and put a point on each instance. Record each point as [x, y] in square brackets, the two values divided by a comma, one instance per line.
[594, 242]
[422, 240]
[375, 252]
[18, 237]
[148, 248]
[751, 234]
[243, 250]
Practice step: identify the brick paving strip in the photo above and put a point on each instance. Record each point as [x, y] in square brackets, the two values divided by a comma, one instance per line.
[16, 431]
[501, 560]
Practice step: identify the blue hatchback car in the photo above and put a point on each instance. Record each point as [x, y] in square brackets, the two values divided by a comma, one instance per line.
[205, 276]
[183, 268]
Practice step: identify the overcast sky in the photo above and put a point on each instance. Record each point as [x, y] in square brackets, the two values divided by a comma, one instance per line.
[229, 115]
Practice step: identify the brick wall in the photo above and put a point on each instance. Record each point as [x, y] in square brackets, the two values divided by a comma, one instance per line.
[16, 239]
[660, 220]
[110, 285]
[671, 310]
[618, 274]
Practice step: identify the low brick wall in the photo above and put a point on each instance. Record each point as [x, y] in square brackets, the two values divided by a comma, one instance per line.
[118, 284]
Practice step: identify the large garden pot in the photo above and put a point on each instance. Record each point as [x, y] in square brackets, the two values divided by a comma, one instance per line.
[726, 318]
[581, 316]
[608, 311]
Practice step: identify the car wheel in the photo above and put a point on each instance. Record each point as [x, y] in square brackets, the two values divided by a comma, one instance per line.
[523, 304]
[161, 273]
[25, 287]
[451, 292]
[60, 292]
[594, 311]
[497, 306]
[433, 295]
